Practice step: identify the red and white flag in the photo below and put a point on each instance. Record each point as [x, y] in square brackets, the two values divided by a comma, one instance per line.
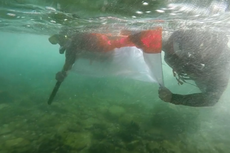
[137, 56]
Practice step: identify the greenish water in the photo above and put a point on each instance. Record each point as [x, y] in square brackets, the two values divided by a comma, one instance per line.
[96, 115]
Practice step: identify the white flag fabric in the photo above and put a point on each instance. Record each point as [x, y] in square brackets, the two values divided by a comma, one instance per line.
[125, 62]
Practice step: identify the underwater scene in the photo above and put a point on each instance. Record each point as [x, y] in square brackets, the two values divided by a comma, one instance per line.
[102, 114]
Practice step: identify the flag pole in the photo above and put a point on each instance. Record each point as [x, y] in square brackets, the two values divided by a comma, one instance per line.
[162, 74]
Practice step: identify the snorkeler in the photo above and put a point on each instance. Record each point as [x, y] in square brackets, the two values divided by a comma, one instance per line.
[201, 56]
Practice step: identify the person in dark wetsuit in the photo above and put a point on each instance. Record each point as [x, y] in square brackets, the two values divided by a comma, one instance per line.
[201, 56]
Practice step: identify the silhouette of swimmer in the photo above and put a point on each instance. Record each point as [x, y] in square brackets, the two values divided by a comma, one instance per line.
[82, 44]
[201, 56]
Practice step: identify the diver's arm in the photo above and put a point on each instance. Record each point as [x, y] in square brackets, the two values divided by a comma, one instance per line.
[215, 88]
[196, 99]
[69, 61]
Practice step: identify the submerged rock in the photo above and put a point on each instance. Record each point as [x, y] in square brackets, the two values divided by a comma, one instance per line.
[116, 111]
[89, 122]
[126, 119]
[153, 147]
[102, 109]
[77, 141]
[54, 144]
[102, 147]
[135, 145]
[163, 147]
[17, 142]
[99, 131]
[129, 132]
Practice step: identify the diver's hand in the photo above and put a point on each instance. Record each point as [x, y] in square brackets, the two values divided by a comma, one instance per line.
[165, 94]
[60, 76]
[62, 49]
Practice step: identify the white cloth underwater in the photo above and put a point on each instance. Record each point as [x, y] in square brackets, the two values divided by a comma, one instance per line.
[126, 62]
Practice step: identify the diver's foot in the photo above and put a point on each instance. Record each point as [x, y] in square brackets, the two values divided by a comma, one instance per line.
[60, 76]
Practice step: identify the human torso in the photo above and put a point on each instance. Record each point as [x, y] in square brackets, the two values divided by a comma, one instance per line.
[199, 56]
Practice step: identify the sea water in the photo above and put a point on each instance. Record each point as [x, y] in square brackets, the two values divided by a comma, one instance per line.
[99, 115]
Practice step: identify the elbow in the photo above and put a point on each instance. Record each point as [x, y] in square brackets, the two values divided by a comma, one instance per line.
[211, 103]
[210, 99]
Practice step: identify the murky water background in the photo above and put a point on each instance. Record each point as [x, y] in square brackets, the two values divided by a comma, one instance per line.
[106, 115]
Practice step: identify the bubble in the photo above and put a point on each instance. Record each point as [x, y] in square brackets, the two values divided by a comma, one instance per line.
[139, 12]
[52, 21]
[145, 3]
[160, 11]
[11, 14]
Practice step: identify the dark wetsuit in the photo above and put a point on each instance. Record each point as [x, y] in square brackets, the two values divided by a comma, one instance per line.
[203, 57]
[73, 47]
